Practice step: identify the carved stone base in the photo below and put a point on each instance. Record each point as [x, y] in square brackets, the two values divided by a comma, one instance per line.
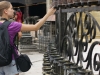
[26, 40]
[28, 47]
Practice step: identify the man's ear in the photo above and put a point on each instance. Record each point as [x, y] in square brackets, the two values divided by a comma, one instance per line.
[5, 11]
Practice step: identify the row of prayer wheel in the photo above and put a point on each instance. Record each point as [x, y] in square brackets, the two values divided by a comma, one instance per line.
[75, 2]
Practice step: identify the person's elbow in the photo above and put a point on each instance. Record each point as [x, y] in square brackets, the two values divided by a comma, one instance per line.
[36, 28]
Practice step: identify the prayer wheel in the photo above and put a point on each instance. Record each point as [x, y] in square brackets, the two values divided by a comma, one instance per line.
[93, 2]
[76, 3]
[59, 2]
[54, 3]
[83, 2]
[64, 2]
[70, 3]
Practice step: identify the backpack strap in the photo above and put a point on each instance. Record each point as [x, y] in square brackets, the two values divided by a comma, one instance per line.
[15, 40]
[5, 24]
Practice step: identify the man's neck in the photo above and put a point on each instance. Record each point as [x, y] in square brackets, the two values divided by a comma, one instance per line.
[4, 17]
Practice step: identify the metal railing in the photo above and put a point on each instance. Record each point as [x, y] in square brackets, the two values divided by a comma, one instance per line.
[44, 36]
[71, 54]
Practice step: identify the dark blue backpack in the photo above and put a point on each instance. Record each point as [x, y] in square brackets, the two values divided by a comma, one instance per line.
[5, 47]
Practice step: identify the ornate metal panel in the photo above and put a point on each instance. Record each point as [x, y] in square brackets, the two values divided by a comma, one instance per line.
[71, 53]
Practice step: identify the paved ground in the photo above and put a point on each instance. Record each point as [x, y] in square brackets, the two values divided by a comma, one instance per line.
[36, 68]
